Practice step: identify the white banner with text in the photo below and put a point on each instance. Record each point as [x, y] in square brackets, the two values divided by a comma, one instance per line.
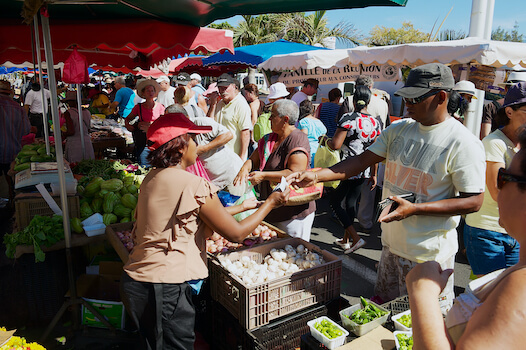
[379, 72]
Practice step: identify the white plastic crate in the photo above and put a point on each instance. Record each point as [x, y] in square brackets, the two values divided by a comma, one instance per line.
[357, 329]
[395, 333]
[398, 325]
[329, 343]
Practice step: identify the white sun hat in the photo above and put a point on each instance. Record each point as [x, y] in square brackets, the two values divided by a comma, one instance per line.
[465, 87]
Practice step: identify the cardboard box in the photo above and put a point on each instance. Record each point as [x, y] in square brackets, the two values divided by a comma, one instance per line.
[102, 292]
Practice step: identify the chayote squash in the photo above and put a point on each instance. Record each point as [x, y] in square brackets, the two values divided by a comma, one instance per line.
[85, 210]
[113, 185]
[129, 201]
[121, 211]
[96, 205]
[93, 186]
[109, 219]
[76, 225]
[109, 202]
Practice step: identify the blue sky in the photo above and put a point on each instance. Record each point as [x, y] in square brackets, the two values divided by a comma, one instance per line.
[424, 13]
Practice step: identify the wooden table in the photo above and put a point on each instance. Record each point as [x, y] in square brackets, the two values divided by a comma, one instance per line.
[77, 240]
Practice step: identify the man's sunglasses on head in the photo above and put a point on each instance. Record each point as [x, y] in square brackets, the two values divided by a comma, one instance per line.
[416, 100]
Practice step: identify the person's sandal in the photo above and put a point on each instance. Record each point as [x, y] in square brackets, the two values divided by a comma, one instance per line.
[344, 246]
[356, 246]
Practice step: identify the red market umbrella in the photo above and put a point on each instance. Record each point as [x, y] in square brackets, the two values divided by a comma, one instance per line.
[154, 73]
[145, 42]
[182, 63]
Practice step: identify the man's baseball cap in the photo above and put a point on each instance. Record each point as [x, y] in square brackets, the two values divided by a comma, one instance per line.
[311, 81]
[183, 78]
[225, 79]
[170, 126]
[195, 76]
[422, 79]
[163, 78]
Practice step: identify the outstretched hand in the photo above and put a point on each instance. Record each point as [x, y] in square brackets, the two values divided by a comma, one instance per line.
[301, 179]
[402, 211]
[279, 198]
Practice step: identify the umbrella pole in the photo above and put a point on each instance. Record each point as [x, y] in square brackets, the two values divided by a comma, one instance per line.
[41, 80]
[74, 300]
[81, 122]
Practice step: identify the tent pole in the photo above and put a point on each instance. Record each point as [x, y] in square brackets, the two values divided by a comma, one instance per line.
[57, 134]
[41, 80]
[81, 122]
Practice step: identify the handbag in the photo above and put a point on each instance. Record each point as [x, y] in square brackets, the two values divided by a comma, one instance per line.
[326, 157]
[306, 194]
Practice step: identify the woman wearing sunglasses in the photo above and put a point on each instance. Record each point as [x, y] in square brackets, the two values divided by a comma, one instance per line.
[488, 245]
[492, 315]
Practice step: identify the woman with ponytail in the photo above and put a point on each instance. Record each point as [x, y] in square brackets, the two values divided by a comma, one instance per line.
[355, 132]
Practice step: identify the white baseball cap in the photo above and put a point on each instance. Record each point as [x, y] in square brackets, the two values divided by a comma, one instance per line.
[163, 78]
[465, 87]
[195, 76]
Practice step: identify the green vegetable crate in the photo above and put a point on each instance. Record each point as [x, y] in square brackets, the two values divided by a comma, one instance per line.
[332, 342]
[357, 329]
[31, 204]
[257, 305]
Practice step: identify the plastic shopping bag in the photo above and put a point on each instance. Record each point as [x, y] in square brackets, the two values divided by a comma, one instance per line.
[250, 193]
[326, 157]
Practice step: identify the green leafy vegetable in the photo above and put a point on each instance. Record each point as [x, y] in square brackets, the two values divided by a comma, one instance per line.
[405, 341]
[368, 313]
[406, 320]
[328, 329]
[42, 231]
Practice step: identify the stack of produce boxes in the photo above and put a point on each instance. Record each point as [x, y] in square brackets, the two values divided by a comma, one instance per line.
[263, 285]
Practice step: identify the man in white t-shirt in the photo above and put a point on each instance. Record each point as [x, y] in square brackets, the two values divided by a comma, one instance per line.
[166, 95]
[433, 156]
[233, 112]
[310, 87]
[35, 107]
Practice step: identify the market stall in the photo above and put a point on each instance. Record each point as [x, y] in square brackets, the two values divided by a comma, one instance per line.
[113, 185]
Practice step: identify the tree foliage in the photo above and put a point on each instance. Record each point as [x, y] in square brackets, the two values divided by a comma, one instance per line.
[222, 25]
[503, 35]
[451, 34]
[383, 36]
[296, 27]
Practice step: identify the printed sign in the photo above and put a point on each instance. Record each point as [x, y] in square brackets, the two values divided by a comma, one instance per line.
[379, 72]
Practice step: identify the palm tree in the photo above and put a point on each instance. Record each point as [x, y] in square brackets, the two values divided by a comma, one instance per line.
[313, 29]
[253, 30]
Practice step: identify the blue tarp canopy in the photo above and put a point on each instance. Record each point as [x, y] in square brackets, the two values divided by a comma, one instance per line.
[8, 70]
[255, 54]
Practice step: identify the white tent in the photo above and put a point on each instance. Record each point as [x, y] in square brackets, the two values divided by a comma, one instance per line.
[470, 50]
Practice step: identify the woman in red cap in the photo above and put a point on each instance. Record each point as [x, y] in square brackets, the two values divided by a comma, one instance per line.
[176, 212]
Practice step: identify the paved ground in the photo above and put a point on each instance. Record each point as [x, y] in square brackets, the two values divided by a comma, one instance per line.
[359, 273]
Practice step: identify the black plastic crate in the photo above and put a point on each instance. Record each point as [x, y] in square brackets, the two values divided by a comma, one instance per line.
[282, 334]
[285, 333]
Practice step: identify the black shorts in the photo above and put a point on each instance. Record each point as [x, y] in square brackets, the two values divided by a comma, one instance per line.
[4, 168]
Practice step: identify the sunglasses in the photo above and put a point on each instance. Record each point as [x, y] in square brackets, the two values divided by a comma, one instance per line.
[504, 177]
[416, 100]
